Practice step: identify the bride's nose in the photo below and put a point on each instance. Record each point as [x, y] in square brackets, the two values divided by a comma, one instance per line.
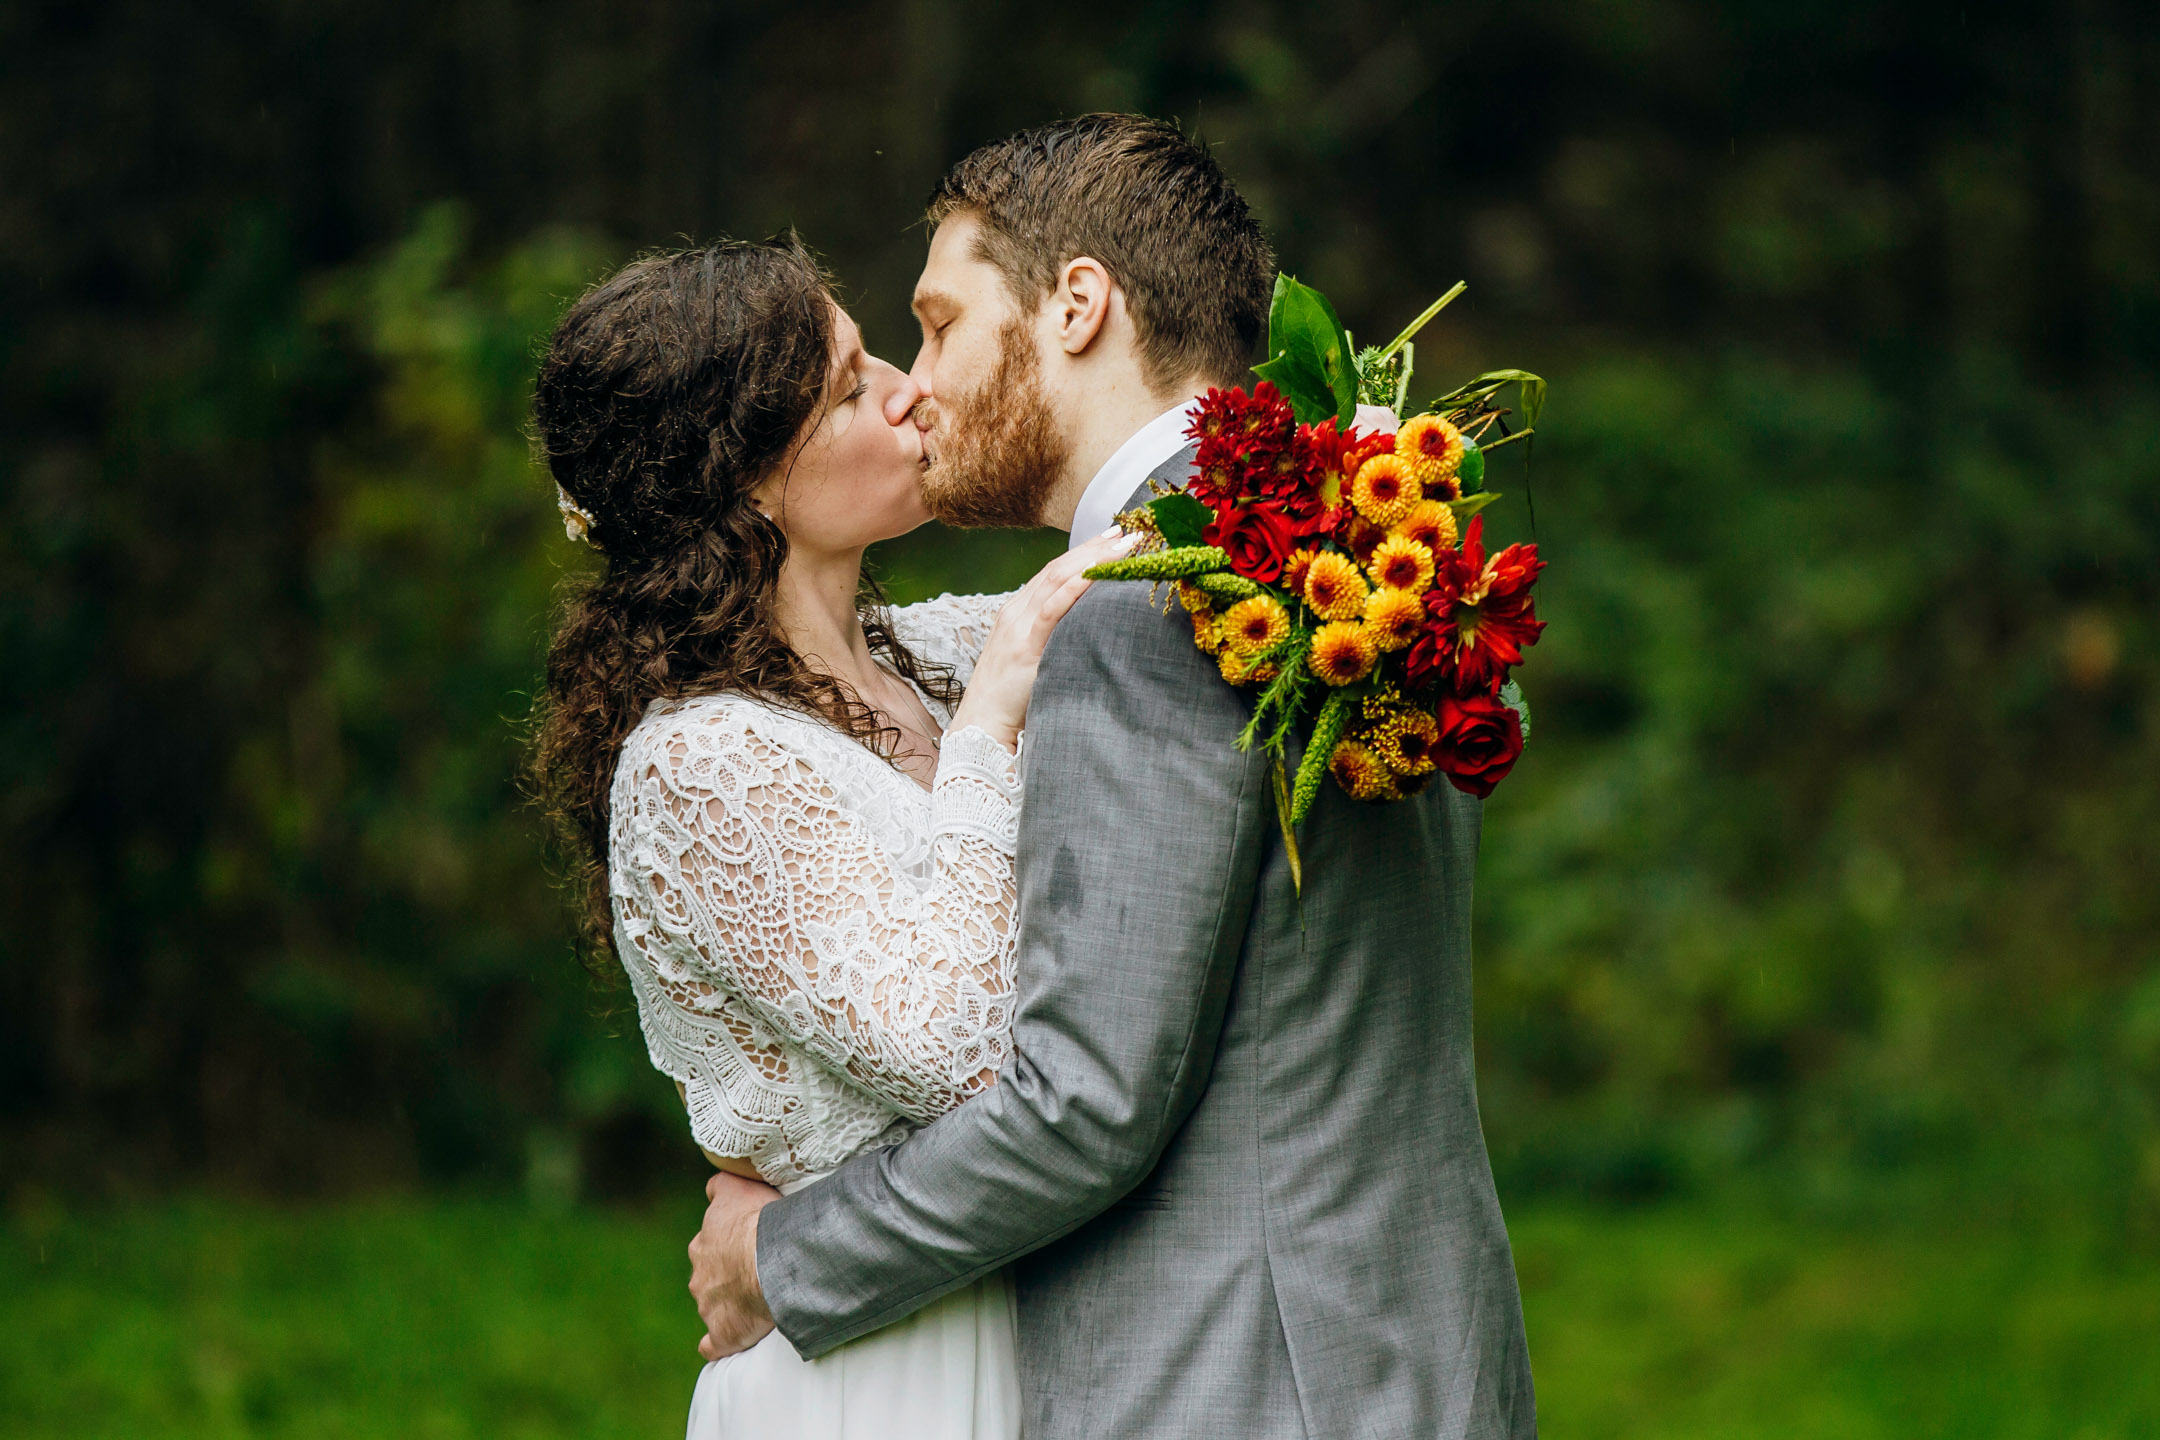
[901, 400]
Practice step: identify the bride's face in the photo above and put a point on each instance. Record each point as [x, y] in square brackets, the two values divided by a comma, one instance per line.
[856, 476]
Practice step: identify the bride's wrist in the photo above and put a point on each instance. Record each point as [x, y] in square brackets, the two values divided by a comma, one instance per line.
[1003, 731]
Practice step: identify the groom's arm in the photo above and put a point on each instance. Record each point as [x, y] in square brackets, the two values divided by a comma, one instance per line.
[1141, 838]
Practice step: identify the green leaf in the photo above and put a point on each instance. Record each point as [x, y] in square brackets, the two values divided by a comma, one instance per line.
[1511, 696]
[1289, 826]
[1311, 361]
[1530, 387]
[1472, 473]
[1469, 505]
[1180, 518]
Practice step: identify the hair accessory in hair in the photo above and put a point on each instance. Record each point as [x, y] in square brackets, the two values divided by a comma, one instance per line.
[575, 522]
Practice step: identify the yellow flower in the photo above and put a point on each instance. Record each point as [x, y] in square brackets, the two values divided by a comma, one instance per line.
[1359, 772]
[1431, 523]
[1407, 742]
[1205, 632]
[1363, 539]
[1239, 669]
[1400, 563]
[1294, 568]
[1195, 600]
[1334, 588]
[1432, 451]
[1342, 653]
[1384, 489]
[1394, 617]
[1255, 626]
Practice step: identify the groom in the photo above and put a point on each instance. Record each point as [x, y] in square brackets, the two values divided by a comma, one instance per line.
[1235, 1162]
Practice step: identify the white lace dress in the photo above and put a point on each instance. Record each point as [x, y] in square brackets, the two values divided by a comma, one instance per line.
[822, 956]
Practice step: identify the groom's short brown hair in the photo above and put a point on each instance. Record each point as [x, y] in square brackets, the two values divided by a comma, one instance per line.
[1153, 206]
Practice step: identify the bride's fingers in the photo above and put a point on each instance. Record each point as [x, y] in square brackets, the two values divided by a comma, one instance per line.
[1111, 545]
[1067, 575]
[1108, 546]
[1062, 599]
[1057, 603]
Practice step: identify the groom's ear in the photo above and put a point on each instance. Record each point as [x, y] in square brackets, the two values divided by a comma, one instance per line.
[1082, 301]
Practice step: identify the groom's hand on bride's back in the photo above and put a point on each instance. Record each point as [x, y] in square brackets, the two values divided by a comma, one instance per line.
[723, 1266]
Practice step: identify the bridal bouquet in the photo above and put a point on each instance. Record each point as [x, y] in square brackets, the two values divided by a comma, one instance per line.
[1342, 574]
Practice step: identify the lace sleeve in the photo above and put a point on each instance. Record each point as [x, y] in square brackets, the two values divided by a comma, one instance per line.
[758, 880]
[951, 629]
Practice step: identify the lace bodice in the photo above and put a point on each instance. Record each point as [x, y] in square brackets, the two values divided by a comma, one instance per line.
[821, 950]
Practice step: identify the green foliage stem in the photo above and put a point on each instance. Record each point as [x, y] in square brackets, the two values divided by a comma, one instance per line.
[1327, 733]
[1164, 564]
[1282, 692]
[1226, 586]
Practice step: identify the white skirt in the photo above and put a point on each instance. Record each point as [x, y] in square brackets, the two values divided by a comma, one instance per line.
[947, 1372]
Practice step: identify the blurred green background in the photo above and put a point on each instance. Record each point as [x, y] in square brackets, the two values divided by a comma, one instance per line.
[1819, 931]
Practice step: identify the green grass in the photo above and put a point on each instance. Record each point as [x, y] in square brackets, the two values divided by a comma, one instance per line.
[446, 1318]
[1704, 1323]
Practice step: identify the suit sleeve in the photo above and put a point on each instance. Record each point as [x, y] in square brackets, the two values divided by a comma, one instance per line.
[1141, 841]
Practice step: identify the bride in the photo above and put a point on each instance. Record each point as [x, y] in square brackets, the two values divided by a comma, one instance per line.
[795, 810]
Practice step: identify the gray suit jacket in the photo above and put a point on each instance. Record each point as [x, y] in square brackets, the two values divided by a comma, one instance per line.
[1235, 1162]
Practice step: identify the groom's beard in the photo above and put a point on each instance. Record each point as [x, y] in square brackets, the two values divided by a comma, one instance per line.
[999, 452]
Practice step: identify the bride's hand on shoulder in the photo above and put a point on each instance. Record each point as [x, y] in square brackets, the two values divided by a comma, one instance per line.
[997, 695]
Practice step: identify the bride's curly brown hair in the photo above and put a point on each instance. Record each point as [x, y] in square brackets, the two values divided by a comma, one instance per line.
[669, 392]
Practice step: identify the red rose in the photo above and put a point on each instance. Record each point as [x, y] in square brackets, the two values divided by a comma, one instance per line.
[1480, 741]
[1257, 538]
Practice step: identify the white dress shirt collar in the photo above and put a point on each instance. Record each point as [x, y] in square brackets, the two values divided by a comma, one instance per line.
[1125, 470]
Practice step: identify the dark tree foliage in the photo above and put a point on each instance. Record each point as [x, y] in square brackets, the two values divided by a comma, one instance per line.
[1833, 846]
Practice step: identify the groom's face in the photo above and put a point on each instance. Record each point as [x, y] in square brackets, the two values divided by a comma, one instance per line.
[995, 447]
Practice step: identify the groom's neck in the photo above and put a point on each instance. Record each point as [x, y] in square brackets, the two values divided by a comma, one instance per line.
[1107, 417]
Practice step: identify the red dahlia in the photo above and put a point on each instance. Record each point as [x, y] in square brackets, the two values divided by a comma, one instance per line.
[1247, 447]
[1480, 617]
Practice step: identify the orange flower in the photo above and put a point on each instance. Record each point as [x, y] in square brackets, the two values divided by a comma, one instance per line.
[1294, 568]
[1205, 632]
[1334, 588]
[1357, 771]
[1342, 653]
[1195, 600]
[1431, 523]
[1432, 451]
[1384, 489]
[1400, 563]
[1256, 626]
[1394, 617]
[1363, 536]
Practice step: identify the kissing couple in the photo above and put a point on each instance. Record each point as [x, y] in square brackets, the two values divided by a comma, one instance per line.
[1041, 1098]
